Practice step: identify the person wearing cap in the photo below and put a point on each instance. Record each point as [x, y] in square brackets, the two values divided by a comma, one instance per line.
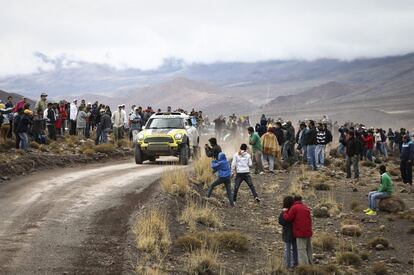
[23, 129]
[118, 121]
[73, 114]
[136, 123]
[41, 104]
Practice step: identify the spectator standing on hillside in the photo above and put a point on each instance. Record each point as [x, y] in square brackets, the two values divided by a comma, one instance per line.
[299, 215]
[5, 117]
[369, 144]
[321, 140]
[301, 137]
[136, 123]
[271, 149]
[213, 150]
[73, 114]
[81, 122]
[291, 250]
[289, 141]
[385, 190]
[41, 104]
[23, 129]
[353, 148]
[241, 164]
[103, 127]
[222, 167]
[311, 141]
[406, 160]
[254, 141]
[391, 138]
[9, 105]
[118, 120]
[50, 116]
[16, 121]
[63, 116]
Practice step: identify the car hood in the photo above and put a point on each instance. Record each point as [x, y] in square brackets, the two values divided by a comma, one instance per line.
[162, 132]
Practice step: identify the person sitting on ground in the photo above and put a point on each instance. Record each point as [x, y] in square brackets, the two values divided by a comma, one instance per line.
[213, 150]
[385, 190]
[291, 250]
[222, 167]
[241, 166]
[300, 216]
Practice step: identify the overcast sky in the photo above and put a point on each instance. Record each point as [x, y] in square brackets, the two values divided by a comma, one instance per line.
[141, 33]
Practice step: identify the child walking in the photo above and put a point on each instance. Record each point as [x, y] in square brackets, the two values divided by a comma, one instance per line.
[222, 167]
[291, 250]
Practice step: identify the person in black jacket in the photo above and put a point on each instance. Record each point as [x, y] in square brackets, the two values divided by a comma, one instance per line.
[279, 133]
[291, 250]
[353, 150]
[311, 141]
[51, 121]
[407, 158]
[213, 150]
[103, 127]
[23, 129]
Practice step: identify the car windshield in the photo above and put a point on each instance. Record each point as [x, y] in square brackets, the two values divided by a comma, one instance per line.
[165, 123]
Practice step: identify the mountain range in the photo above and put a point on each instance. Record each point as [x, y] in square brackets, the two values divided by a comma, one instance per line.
[291, 87]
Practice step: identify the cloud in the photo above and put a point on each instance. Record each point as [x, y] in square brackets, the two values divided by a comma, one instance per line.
[142, 33]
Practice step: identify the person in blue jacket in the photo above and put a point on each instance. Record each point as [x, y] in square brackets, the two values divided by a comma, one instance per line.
[407, 158]
[222, 167]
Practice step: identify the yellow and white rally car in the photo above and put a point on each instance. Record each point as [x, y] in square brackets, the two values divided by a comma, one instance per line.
[167, 134]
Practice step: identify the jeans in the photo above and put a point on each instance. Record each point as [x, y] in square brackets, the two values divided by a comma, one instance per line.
[270, 159]
[305, 153]
[341, 149]
[352, 161]
[286, 149]
[320, 155]
[311, 156]
[257, 162]
[104, 135]
[219, 181]
[24, 141]
[406, 171]
[369, 154]
[373, 196]
[291, 254]
[240, 177]
[304, 251]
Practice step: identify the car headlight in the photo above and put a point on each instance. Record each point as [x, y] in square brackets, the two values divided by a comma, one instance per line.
[140, 136]
[178, 136]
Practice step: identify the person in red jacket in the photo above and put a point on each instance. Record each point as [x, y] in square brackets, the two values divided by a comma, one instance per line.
[300, 216]
[369, 144]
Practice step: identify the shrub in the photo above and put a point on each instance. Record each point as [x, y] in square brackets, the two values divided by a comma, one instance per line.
[6, 145]
[105, 148]
[34, 145]
[202, 170]
[310, 270]
[325, 241]
[331, 268]
[88, 151]
[194, 214]
[364, 256]
[349, 258]
[322, 186]
[231, 240]
[152, 234]
[189, 241]
[203, 261]
[275, 266]
[352, 230]
[378, 240]
[175, 182]
[148, 271]
[379, 269]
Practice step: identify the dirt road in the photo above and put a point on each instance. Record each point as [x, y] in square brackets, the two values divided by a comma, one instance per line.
[71, 221]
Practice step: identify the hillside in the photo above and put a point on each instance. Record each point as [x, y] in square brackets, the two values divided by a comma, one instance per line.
[16, 97]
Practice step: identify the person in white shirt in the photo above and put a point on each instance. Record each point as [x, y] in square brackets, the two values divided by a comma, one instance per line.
[241, 164]
[73, 114]
[118, 121]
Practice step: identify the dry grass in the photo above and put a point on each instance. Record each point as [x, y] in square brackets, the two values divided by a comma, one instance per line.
[325, 241]
[310, 270]
[141, 270]
[189, 241]
[34, 145]
[89, 151]
[355, 206]
[232, 240]
[175, 182]
[379, 269]
[55, 147]
[204, 174]
[6, 145]
[125, 142]
[202, 261]
[195, 214]
[105, 148]
[349, 258]
[322, 186]
[378, 240]
[329, 201]
[352, 230]
[152, 233]
[275, 266]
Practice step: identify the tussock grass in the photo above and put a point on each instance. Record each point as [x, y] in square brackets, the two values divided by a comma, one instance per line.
[152, 233]
[322, 186]
[379, 269]
[203, 173]
[105, 148]
[378, 240]
[6, 145]
[202, 261]
[141, 270]
[349, 258]
[175, 182]
[310, 270]
[329, 201]
[352, 230]
[325, 241]
[275, 266]
[34, 145]
[194, 214]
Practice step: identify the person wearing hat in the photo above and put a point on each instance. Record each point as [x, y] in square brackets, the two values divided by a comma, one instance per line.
[118, 120]
[73, 114]
[23, 129]
[41, 104]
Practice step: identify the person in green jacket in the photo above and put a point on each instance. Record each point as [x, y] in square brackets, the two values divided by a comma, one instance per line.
[254, 141]
[384, 191]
